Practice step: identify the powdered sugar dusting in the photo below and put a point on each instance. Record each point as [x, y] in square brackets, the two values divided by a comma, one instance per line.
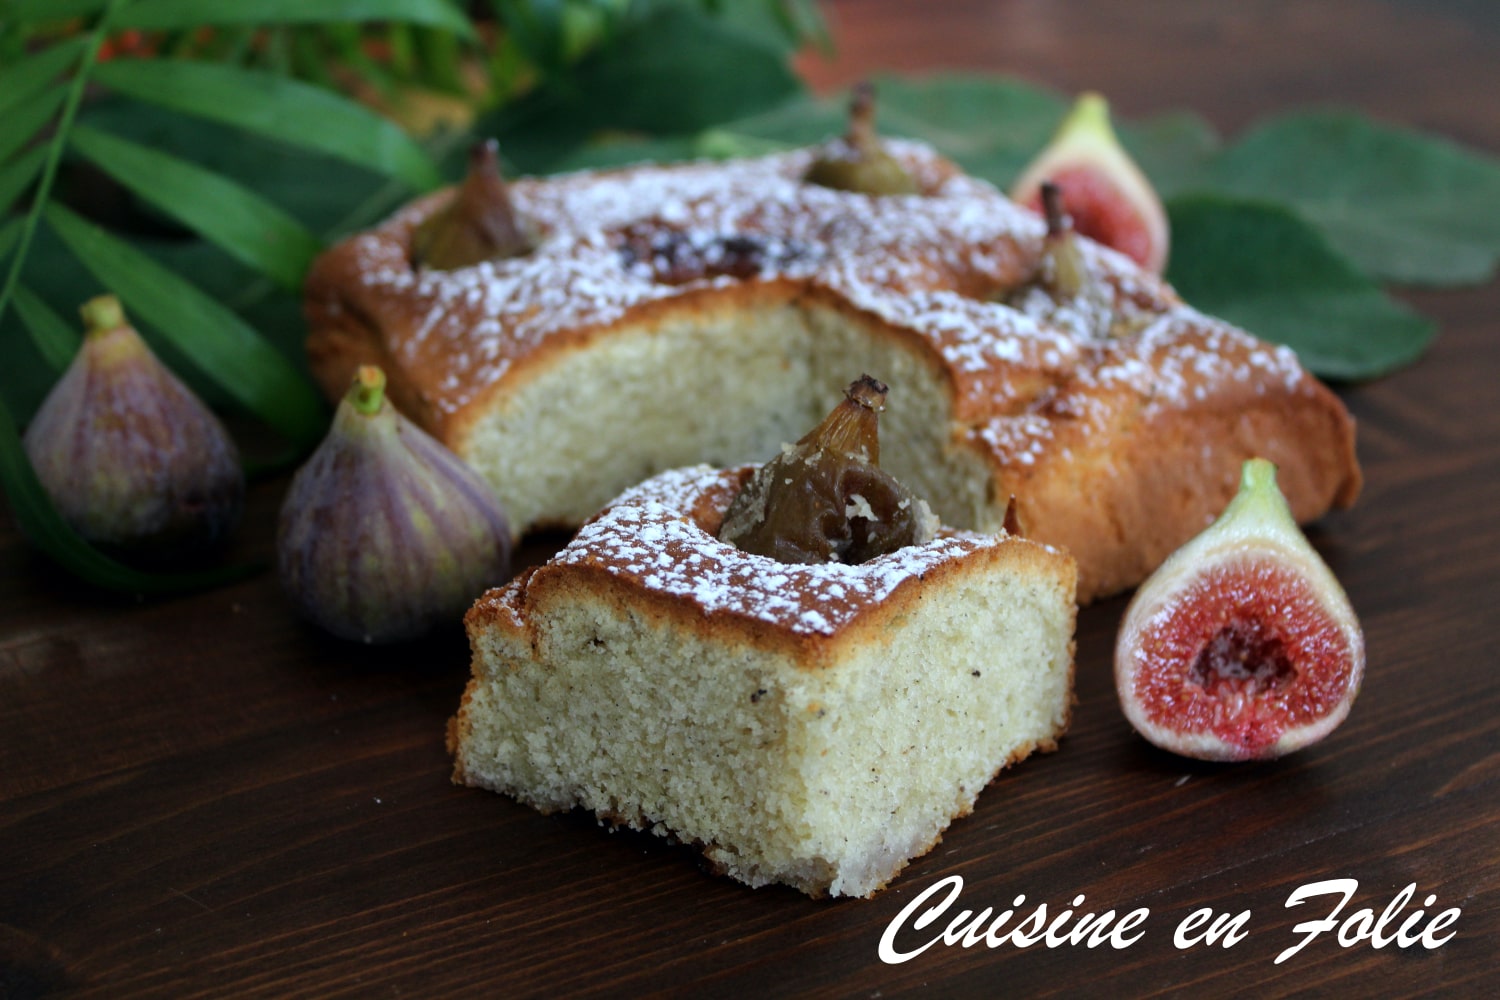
[649, 536]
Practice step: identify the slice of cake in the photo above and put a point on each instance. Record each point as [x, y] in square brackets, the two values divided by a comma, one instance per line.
[816, 725]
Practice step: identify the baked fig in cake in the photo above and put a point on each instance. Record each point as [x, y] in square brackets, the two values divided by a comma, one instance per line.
[478, 224]
[1062, 272]
[858, 161]
[384, 533]
[1242, 645]
[135, 462]
[1108, 197]
[826, 497]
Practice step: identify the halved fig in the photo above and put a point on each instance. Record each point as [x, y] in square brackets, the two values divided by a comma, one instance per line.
[1242, 646]
[1106, 194]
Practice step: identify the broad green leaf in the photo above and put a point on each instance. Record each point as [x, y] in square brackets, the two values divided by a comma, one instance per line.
[537, 29]
[222, 345]
[619, 152]
[990, 126]
[250, 228]
[269, 105]
[56, 340]
[661, 74]
[1405, 206]
[784, 24]
[46, 528]
[22, 123]
[722, 144]
[181, 15]
[801, 121]
[1173, 150]
[17, 175]
[680, 72]
[1258, 265]
[23, 80]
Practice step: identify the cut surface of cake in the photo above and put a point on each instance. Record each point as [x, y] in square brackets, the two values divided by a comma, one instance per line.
[814, 725]
[656, 295]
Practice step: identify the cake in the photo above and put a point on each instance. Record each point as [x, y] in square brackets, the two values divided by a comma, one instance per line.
[706, 312]
[814, 725]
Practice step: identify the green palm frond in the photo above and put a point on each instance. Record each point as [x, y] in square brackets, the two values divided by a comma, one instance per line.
[41, 94]
[97, 94]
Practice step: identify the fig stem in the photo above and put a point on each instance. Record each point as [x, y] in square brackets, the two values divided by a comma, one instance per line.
[868, 392]
[102, 314]
[1258, 491]
[1052, 208]
[484, 157]
[862, 116]
[368, 392]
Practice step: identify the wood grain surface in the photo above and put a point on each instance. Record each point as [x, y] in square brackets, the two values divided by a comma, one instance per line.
[202, 797]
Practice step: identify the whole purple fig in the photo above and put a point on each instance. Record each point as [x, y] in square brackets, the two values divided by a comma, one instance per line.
[385, 533]
[131, 458]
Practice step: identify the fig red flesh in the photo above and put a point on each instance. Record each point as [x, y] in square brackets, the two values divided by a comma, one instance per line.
[1246, 653]
[1242, 645]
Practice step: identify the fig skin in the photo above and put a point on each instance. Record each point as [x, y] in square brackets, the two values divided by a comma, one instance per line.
[479, 223]
[131, 458]
[857, 161]
[384, 533]
[1242, 645]
[1106, 194]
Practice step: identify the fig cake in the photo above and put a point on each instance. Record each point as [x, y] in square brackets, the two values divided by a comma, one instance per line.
[661, 316]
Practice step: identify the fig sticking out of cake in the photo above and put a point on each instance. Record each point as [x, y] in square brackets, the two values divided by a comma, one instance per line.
[858, 161]
[826, 497]
[816, 723]
[479, 223]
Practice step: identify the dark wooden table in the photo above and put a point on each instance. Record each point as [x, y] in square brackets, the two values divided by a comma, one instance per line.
[202, 797]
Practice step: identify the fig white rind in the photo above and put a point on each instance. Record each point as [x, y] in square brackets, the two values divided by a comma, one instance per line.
[1255, 540]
